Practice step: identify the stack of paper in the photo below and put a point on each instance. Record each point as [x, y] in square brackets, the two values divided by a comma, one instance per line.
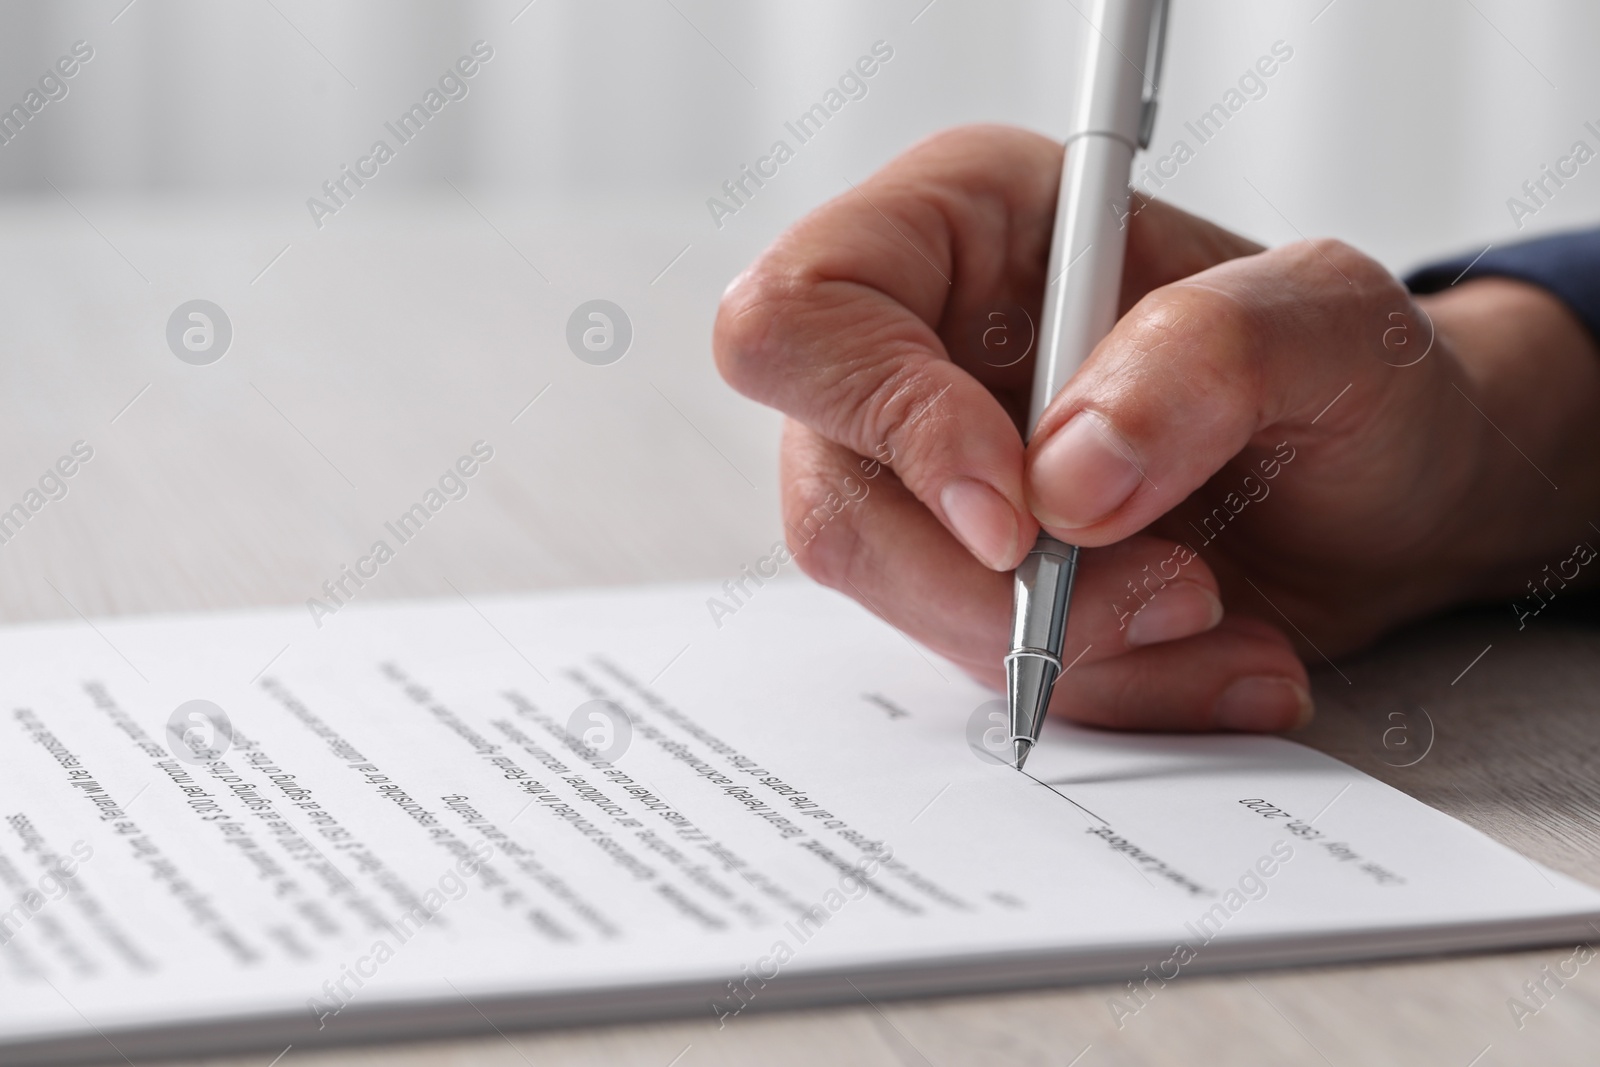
[557, 809]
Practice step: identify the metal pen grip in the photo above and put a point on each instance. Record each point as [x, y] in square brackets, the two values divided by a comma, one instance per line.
[1043, 587]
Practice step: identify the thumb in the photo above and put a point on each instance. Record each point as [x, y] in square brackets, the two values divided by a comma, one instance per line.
[1199, 368]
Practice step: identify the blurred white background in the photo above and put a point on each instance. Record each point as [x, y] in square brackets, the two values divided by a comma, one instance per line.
[426, 313]
[1402, 127]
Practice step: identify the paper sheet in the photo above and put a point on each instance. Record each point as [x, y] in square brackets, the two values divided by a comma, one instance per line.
[240, 829]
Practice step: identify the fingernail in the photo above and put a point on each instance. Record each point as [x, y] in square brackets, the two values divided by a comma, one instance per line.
[1178, 609]
[983, 520]
[1083, 473]
[1262, 705]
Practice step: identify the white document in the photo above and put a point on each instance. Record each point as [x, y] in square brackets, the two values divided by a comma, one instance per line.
[549, 810]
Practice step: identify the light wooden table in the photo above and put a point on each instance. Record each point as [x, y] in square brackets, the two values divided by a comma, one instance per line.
[372, 353]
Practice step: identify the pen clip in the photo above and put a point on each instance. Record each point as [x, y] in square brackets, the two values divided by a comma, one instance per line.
[1152, 61]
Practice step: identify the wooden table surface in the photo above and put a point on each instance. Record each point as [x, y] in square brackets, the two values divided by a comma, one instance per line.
[372, 353]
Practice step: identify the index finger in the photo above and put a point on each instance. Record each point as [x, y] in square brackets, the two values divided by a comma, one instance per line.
[846, 323]
[836, 324]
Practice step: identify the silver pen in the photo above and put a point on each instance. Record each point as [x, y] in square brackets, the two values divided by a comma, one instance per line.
[1111, 120]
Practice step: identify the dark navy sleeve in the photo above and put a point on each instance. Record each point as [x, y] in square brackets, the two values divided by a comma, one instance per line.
[1567, 264]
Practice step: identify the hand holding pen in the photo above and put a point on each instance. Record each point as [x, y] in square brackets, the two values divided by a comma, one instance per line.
[1269, 457]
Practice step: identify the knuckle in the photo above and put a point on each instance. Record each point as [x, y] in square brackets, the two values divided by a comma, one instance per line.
[1184, 313]
[1334, 251]
[755, 313]
[1202, 331]
[951, 139]
[986, 148]
[900, 405]
[1203, 346]
[1365, 308]
[1366, 281]
[977, 145]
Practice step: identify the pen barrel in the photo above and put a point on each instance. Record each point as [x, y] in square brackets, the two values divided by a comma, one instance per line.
[1116, 68]
[1084, 282]
[1083, 287]
[1115, 94]
[1042, 588]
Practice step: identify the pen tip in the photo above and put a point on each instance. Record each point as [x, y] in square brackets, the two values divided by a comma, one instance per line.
[1028, 683]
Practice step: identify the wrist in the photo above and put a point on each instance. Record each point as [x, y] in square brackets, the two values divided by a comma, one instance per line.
[1533, 372]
